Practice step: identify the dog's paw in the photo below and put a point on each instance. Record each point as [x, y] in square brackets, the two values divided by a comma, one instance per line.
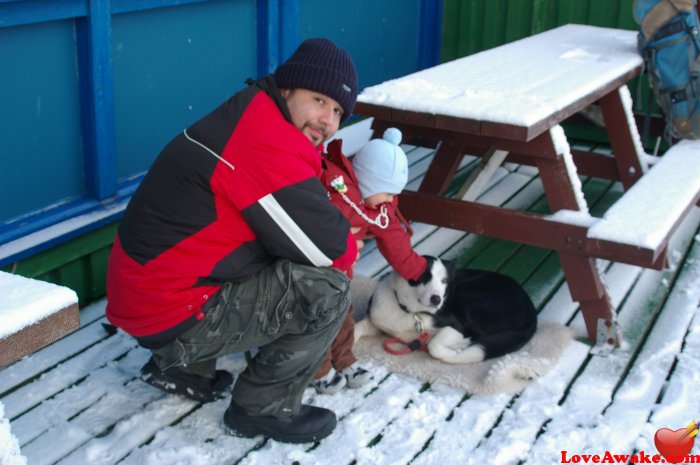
[452, 350]
[365, 328]
[472, 354]
[461, 346]
[441, 352]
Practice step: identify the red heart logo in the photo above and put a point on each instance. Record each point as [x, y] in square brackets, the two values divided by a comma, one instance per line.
[674, 445]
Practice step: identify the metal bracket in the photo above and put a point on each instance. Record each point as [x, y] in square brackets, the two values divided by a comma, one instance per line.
[607, 337]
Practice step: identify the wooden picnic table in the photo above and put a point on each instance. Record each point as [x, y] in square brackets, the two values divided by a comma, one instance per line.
[507, 103]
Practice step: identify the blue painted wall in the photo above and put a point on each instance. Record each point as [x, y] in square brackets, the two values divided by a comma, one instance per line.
[384, 44]
[171, 67]
[40, 143]
[91, 90]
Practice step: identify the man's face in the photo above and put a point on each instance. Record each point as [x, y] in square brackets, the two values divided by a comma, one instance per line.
[314, 114]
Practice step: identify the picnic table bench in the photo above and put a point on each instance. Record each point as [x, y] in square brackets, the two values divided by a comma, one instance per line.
[507, 103]
[33, 314]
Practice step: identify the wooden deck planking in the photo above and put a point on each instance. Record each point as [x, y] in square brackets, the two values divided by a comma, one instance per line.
[29, 367]
[679, 395]
[65, 416]
[643, 385]
[600, 377]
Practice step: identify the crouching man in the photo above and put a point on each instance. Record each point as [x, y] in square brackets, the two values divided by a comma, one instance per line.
[230, 244]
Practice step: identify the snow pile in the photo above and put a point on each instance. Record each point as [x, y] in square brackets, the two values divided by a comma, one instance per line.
[9, 448]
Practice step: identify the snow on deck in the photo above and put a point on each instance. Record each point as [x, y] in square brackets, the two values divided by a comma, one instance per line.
[519, 83]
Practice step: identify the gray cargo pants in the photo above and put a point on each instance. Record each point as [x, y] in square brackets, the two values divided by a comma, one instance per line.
[291, 312]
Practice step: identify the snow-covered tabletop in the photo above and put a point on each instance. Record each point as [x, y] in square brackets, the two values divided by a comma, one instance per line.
[522, 83]
[26, 301]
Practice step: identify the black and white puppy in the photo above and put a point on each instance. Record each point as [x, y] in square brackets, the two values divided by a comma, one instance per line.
[471, 315]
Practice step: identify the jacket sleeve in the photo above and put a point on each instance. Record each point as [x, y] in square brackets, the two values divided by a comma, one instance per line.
[273, 183]
[394, 243]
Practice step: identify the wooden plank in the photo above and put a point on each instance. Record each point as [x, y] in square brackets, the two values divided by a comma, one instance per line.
[40, 334]
[595, 164]
[646, 215]
[507, 441]
[29, 368]
[481, 175]
[125, 436]
[442, 169]
[507, 224]
[58, 411]
[421, 417]
[64, 375]
[618, 121]
[35, 313]
[475, 416]
[64, 442]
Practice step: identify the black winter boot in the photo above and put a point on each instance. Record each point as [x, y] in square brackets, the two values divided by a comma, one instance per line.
[309, 425]
[194, 387]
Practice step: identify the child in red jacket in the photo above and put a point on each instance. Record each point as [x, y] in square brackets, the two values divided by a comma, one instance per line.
[365, 191]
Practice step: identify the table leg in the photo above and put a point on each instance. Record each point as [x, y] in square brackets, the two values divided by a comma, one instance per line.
[563, 190]
[620, 125]
[586, 287]
[443, 168]
[482, 174]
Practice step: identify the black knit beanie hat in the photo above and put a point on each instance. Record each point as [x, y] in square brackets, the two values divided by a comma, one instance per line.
[319, 65]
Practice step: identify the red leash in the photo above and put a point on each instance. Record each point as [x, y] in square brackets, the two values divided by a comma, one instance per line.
[407, 347]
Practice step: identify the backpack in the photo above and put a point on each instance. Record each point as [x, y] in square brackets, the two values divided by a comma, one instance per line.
[669, 43]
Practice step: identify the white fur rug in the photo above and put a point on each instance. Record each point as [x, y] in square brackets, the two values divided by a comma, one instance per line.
[508, 374]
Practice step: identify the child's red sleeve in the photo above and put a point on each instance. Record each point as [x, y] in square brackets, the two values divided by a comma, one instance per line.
[394, 243]
[345, 261]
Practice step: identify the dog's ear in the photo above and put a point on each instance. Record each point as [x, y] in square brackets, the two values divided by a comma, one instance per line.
[427, 273]
[450, 265]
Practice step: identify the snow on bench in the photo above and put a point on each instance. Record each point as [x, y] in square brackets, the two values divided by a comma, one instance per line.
[648, 212]
[33, 314]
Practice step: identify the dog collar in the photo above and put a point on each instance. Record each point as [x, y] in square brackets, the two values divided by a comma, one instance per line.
[418, 323]
[401, 306]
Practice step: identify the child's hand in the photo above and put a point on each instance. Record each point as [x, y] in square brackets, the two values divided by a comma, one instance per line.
[360, 243]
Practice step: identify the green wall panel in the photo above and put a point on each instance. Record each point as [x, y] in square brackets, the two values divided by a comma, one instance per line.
[470, 26]
[80, 264]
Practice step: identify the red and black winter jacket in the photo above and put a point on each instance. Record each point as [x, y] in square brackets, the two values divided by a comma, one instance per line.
[232, 193]
[394, 242]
